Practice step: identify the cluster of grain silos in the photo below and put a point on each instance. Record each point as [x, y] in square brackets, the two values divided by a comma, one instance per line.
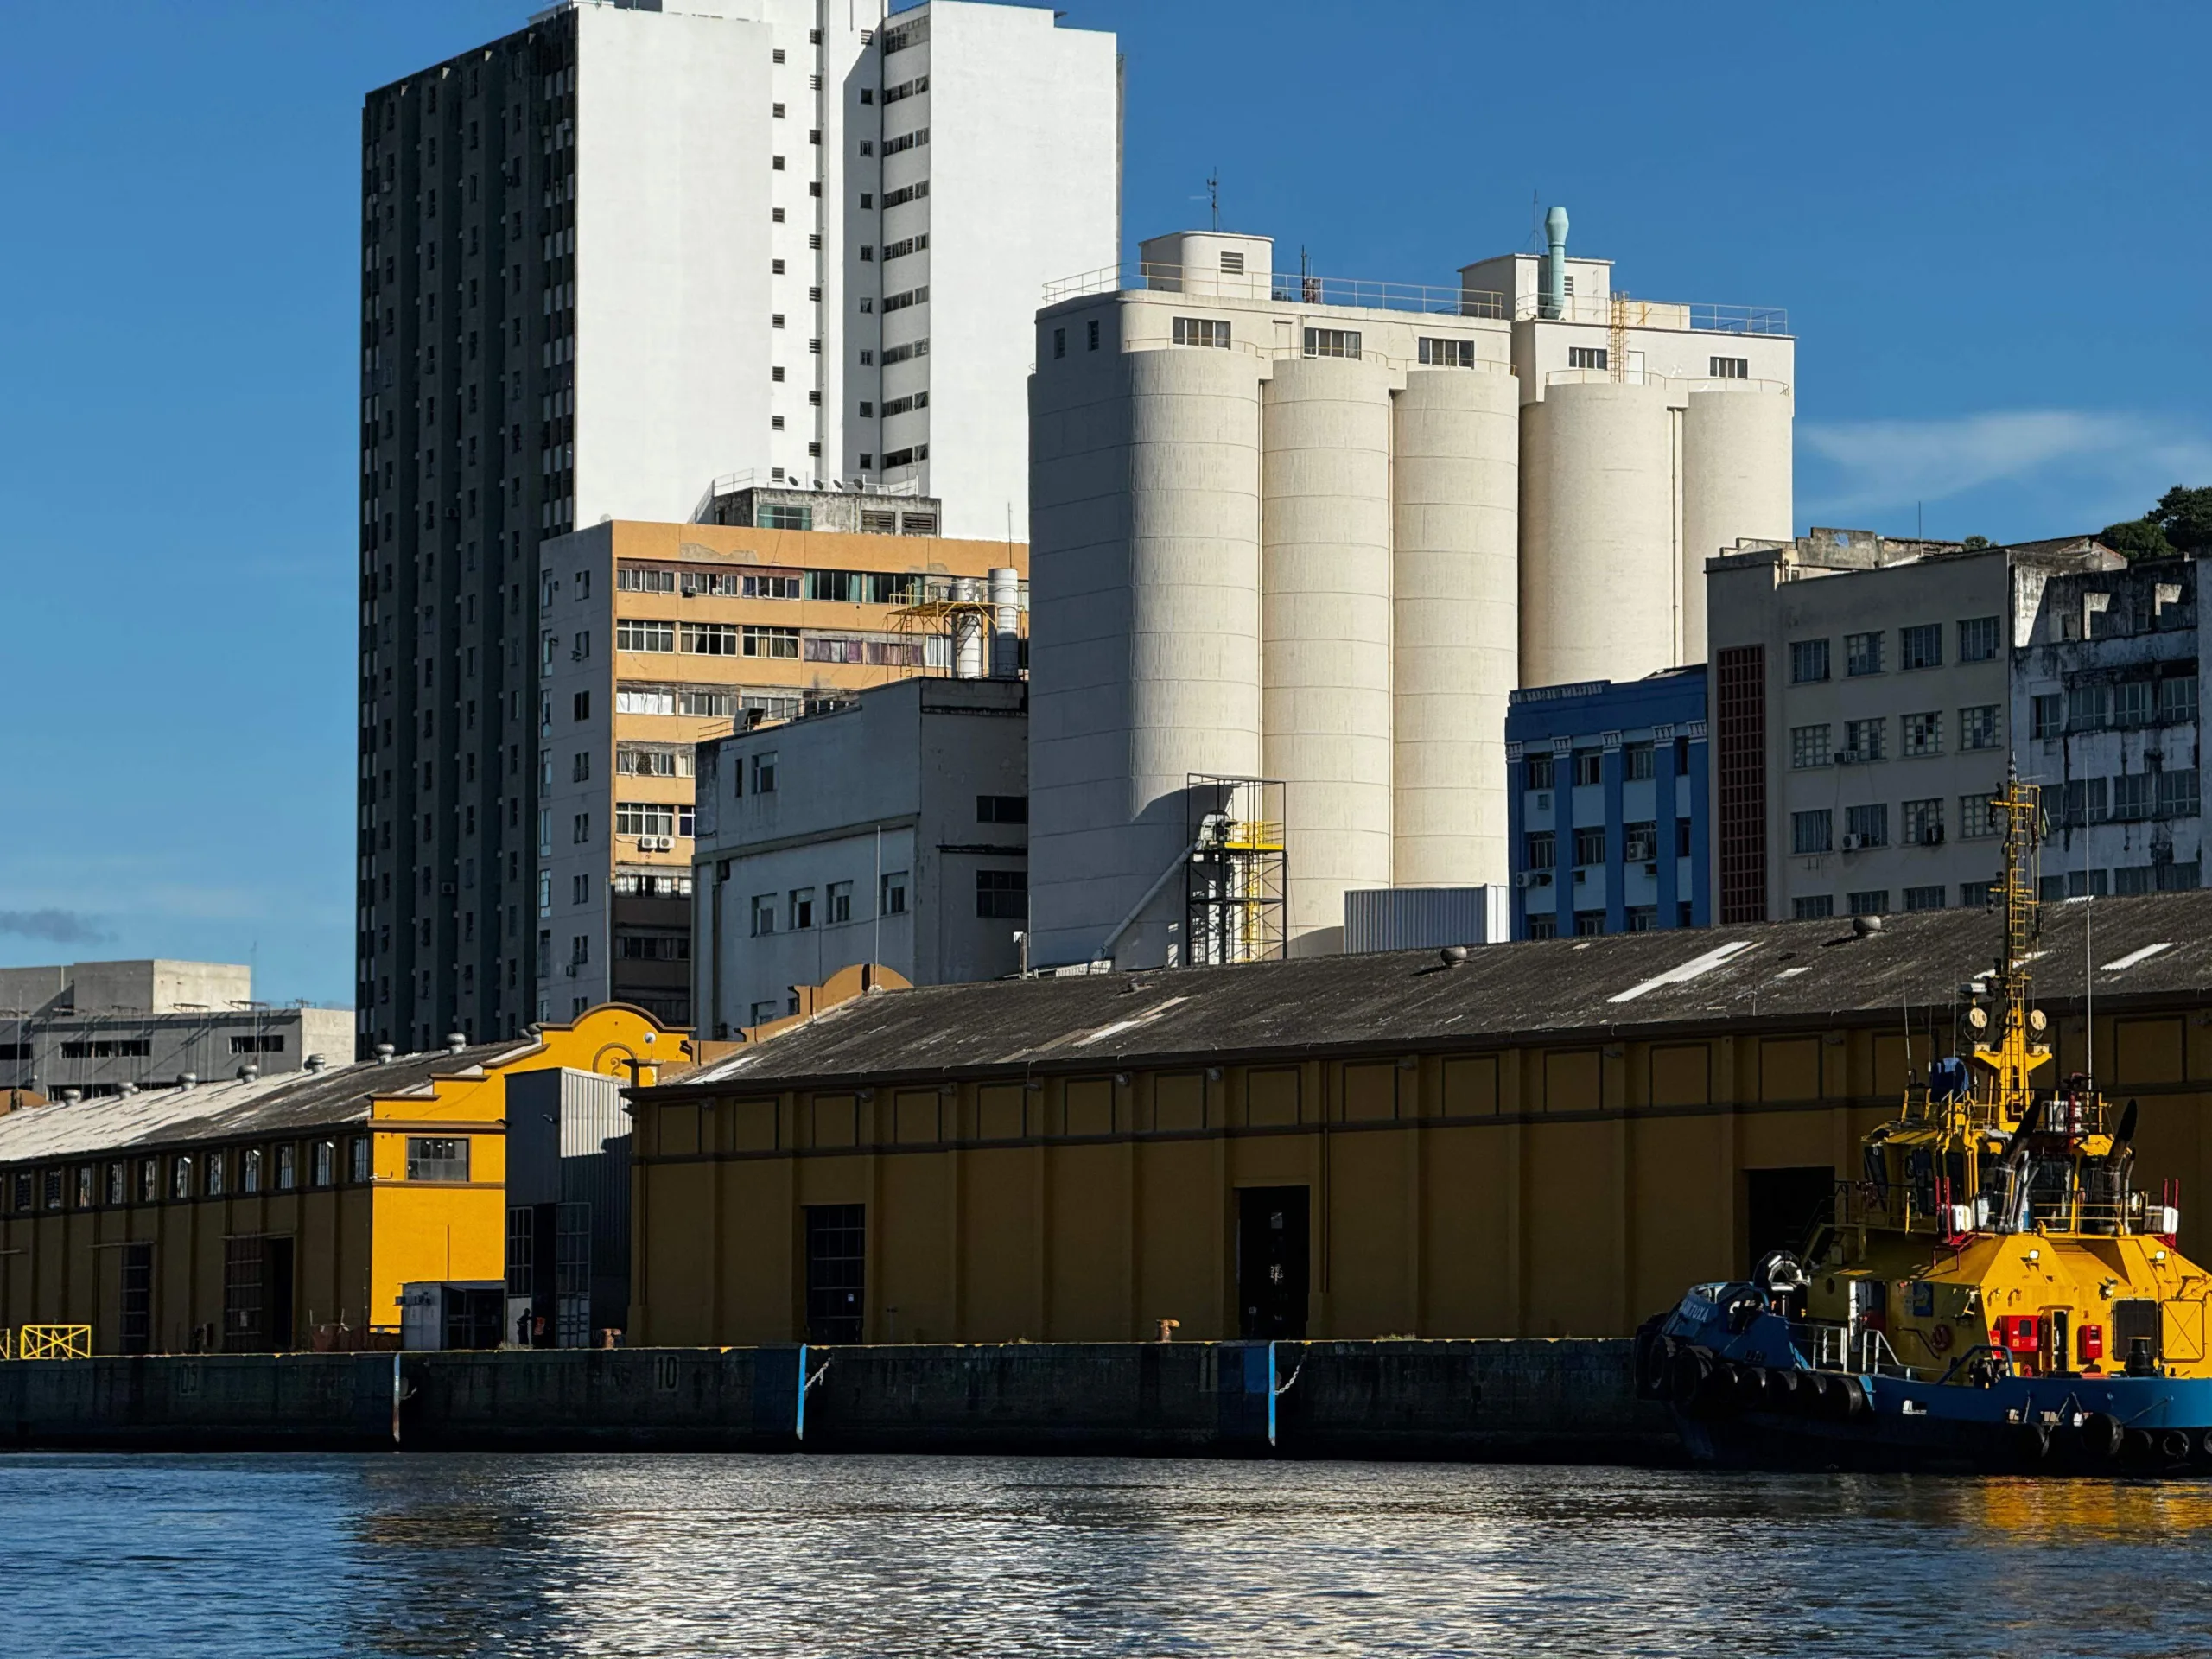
[1323, 548]
[1627, 488]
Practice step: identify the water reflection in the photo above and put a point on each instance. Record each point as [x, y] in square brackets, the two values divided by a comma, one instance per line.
[650, 1556]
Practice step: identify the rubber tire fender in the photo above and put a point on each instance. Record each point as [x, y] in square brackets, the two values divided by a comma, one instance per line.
[1851, 1399]
[1686, 1377]
[1781, 1390]
[1653, 1364]
[1750, 1387]
[2100, 1436]
[2031, 1441]
[1813, 1394]
[2173, 1445]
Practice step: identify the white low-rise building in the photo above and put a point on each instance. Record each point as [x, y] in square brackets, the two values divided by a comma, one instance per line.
[894, 830]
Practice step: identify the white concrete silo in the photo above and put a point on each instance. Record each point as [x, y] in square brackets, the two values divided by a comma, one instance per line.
[1325, 576]
[1145, 625]
[1455, 645]
[1599, 567]
[1735, 482]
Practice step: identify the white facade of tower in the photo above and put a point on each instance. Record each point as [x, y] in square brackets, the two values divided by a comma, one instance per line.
[801, 232]
[996, 168]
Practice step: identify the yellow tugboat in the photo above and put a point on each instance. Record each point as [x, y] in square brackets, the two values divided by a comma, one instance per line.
[1993, 1292]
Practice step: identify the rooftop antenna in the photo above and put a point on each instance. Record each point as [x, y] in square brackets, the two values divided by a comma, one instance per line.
[1213, 195]
[1536, 220]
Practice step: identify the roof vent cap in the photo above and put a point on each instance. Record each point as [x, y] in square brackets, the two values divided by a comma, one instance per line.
[127, 1088]
[455, 1041]
[71, 1096]
[1453, 955]
[189, 1080]
[249, 1072]
[385, 1052]
[1862, 925]
[315, 1062]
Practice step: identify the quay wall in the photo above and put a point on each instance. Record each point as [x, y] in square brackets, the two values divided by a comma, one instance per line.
[1549, 1399]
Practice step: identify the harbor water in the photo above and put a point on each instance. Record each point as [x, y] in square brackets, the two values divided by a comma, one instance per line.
[679, 1555]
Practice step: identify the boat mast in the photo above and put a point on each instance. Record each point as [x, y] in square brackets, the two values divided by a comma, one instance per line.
[2015, 1054]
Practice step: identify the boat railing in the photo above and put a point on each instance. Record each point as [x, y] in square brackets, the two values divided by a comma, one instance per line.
[1862, 1350]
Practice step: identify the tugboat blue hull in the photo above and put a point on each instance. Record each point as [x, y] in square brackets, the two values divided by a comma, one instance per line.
[1748, 1399]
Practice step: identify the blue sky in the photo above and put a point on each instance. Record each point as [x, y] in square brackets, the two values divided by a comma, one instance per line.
[1987, 222]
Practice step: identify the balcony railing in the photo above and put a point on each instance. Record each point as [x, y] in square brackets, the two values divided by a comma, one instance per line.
[1278, 288]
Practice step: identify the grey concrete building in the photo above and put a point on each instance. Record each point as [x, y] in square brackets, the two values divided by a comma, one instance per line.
[104, 1028]
[892, 830]
[1860, 693]
[2105, 694]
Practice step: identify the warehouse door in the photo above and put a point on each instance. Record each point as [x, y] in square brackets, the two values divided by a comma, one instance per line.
[1782, 1206]
[836, 1268]
[277, 1293]
[1272, 1257]
[242, 1295]
[138, 1298]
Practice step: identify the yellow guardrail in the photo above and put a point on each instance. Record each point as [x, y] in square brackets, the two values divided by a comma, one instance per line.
[55, 1342]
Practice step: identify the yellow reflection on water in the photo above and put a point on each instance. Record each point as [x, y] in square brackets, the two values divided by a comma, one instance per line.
[2026, 1510]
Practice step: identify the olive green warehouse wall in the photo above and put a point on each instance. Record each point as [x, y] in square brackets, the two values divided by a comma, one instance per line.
[1554, 1188]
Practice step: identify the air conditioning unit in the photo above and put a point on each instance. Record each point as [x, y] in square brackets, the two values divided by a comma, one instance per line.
[1853, 843]
[655, 845]
[1524, 878]
[1544, 800]
[1651, 867]
[1847, 757]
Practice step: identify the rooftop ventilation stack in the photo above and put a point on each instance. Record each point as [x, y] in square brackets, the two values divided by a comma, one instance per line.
[1553, 303]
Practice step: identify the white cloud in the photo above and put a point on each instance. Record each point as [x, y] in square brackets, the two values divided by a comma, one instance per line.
[2115, 465]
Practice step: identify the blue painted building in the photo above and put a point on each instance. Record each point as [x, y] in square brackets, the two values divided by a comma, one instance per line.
[1607, 806]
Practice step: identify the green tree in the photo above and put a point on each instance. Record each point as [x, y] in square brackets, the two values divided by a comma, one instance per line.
[2186, 517]
[2137, 538]
[1975, 544]
[2181, 523]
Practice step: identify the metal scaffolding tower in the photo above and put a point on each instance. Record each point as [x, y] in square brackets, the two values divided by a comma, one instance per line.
[1233, 884]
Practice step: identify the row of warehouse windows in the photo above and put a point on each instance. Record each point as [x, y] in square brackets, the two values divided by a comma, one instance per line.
[1543, 924]
[1592, 845]
[1000, 895]
[842, 587]
[1639, 763]
[139, 1048]
[225, 1172]
[2124, 881]
[705, 702]
[2107, 704]
[1814, 832]
[1866, 740]
[1918, 646]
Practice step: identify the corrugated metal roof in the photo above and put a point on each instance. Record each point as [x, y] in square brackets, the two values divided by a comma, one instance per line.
[234, 1110]
[1793, 972]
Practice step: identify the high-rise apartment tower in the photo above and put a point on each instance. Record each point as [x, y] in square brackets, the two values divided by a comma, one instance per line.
[614, 257]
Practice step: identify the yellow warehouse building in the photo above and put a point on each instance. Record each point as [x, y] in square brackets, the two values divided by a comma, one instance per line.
[258, 1214]
[1546, 1138]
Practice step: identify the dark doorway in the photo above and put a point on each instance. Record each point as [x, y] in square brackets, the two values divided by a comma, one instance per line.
[1272, 1262]
[1782, 1206]
[836, 1272]
[277, 1293]
[138, 1331]
[242, 1262]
